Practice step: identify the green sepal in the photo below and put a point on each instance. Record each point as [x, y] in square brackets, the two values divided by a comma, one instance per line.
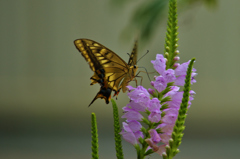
[147, 112]
[144, 130]
[159, 131]
[163, 114]
[164, 106]
[164, 155]
[138, 149]
[146, 121]
[141, 140]
[156, 124]
[150, 151]
[166, 99]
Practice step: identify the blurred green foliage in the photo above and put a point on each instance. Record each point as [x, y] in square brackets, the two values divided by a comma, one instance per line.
[148, 15]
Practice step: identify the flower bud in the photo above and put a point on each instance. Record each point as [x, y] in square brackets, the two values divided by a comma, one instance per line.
[151, 91]
[166, 54]
[176, 52]
[167, 48]
[152, 83]
[176, 58]
[176, 65]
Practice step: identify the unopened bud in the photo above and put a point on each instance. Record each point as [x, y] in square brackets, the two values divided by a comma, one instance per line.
[176, 52]
[151, 91]
[167, 48]
[166, 54]
[152, 83]
[176, 58]
[176, 65]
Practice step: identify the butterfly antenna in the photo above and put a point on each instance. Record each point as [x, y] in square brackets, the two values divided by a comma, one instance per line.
[146, 72]
[142, 56]
[128, 54]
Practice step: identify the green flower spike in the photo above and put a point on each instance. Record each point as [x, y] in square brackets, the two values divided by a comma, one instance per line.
[94, 137]
[172, 148]
[118, 140]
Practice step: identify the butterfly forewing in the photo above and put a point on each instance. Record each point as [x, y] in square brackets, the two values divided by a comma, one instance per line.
[133, 57]
[110, 71]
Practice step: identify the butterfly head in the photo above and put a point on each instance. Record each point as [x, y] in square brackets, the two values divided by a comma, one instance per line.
[133, 70]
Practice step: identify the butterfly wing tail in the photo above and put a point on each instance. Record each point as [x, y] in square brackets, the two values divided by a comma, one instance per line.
[104, 93]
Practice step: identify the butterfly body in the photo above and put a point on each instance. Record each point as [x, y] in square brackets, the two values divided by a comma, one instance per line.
[110, 71]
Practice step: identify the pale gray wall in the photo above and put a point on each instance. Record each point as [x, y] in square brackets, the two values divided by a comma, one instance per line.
[45, 81]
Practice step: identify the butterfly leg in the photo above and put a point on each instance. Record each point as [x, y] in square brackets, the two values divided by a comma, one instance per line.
[116, 93]
[141, 79]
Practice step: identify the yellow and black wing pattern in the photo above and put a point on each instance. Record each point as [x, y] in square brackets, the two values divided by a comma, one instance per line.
[110, 71]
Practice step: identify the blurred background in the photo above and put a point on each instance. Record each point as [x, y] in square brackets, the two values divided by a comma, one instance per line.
[45, 88]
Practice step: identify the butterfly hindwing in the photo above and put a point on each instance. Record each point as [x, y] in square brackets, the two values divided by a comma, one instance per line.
[110, 71]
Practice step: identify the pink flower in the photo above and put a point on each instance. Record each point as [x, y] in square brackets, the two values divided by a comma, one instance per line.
[169, 75]
[159, 64]
[154, 136]
[160, 84]
[139, 95]
[132, 115]
[131, 132]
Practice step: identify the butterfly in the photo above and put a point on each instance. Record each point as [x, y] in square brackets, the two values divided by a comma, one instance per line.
[110, 70]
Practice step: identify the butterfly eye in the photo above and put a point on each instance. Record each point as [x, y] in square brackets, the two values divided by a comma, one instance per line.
[134, 66]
